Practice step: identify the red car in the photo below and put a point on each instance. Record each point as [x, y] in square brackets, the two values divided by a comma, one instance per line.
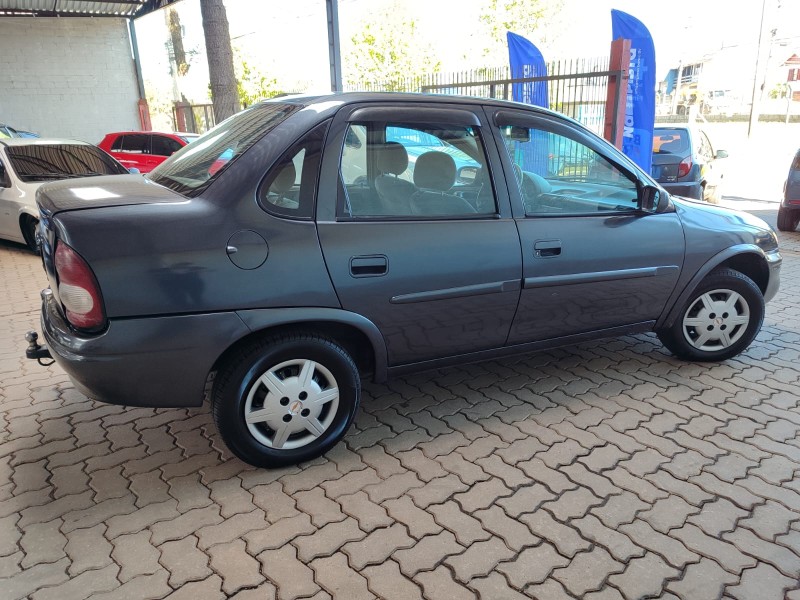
[144, 150]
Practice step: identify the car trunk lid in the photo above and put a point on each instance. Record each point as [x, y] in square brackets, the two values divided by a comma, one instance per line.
[101, 192]
[665, 167]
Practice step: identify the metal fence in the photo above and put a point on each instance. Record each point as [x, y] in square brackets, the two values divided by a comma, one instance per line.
[577, 88]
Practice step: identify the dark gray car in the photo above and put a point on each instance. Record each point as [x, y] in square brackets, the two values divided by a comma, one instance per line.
[789, 211]
[292, 251]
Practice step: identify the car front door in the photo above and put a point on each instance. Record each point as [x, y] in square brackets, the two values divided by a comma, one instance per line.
[414, 235]
[592, 260]
[9, 203]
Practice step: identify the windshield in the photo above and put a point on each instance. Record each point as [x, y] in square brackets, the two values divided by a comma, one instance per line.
[670, 141]
[195, 166]
[41, 162]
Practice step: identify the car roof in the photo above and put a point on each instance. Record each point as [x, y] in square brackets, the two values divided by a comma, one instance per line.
[343, 98]
[41, 142]
[178, 133]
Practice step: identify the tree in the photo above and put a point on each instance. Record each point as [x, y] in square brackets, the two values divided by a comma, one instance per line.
[385, 51]
[525, 17]
[252, 84]
[224, 90]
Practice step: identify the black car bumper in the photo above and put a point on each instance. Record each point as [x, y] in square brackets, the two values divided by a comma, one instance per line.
[687, 190]
[153, 361]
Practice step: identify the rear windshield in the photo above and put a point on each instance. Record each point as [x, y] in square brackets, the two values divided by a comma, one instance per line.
[42, 162]
[195, 166]
[796, 162]
[670, 141]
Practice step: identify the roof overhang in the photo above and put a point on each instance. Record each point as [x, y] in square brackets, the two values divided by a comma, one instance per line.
[128, 9]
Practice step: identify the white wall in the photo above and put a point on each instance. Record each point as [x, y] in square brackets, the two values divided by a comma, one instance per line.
[68, 77]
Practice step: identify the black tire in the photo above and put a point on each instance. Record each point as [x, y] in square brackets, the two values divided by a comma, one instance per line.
[788, 219]
[696, 318]
[28, 225]
[241, 374]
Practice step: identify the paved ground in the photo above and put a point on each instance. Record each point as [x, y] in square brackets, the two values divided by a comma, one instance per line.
[608, 470]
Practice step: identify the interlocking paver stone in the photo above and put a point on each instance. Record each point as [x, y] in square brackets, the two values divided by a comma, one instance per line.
[762, 581]
[135, 555]
[378, 546]
[236, 567]
[643, 577]
[427, 553]
[440, 585]
[184, 561]
[705, 579]
[605, 470]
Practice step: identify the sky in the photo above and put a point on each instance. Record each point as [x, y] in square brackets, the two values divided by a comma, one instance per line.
[288, 40]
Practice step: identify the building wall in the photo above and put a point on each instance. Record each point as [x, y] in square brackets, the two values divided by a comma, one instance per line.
[68, 77]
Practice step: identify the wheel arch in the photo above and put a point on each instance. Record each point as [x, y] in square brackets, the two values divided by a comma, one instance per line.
[356, 334]
[747, 259]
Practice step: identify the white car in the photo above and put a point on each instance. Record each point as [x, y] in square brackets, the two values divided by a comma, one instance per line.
[26, 163]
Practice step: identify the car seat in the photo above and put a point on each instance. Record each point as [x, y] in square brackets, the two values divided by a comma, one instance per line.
[434, 175]
[393, 192]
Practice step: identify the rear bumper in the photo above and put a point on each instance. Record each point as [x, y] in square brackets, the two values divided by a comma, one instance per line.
[687, 190]
[154, 361]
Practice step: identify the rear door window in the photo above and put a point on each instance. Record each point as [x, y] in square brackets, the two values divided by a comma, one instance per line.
[136, 143]
[164, 146]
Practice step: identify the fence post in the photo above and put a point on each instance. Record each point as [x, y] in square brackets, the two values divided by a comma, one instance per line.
[619, 63]
[180, 116]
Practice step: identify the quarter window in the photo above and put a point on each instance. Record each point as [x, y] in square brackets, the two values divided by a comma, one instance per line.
[290, 186]
[560, 176]
[401, 170]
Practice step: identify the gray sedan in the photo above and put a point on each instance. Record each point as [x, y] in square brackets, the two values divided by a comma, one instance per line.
[295, 250]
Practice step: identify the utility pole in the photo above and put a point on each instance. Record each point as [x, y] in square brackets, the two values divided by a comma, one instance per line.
[756, 95]
[334, 53]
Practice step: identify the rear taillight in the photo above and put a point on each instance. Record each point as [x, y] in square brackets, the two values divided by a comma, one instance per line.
[78, 290]
[685, 167]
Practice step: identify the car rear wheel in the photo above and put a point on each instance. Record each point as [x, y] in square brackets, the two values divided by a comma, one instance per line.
[788, 219]
[285, 399]
[719, 320]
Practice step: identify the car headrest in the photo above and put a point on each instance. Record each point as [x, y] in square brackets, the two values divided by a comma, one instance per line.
[392, 158]
[435, 171]
[285, 179]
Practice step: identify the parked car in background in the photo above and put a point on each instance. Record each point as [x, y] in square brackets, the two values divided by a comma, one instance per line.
[26, 163]
[176, 286]
[144, 150]
[686, 164]
[6, 131]
[789, 211]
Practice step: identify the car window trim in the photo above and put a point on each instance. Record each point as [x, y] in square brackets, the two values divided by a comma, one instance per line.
[342, 200]
[504, 117]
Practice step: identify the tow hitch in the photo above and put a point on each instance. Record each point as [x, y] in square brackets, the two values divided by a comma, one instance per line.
[35, 350]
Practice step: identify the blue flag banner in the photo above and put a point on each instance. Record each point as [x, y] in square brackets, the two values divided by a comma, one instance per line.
[640, 105]
[527, 61]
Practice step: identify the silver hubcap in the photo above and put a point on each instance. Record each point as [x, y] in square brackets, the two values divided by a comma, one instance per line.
[716, 320]
[292, 404]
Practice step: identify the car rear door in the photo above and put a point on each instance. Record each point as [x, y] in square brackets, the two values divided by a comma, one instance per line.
[435, 261]
[591, 259]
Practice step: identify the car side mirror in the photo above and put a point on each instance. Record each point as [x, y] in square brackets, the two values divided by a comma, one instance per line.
[650, 198]
[721, 154]
[134, 171]
[467, 175]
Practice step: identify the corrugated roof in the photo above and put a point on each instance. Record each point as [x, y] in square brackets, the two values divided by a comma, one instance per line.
[82, 8]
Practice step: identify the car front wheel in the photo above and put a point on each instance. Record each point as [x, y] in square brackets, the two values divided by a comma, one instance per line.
[788, 219]
[720, 319]
[285, 399]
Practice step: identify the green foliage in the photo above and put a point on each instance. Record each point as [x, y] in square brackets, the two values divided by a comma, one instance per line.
[524, 17]
[384, 51]
[252, 85]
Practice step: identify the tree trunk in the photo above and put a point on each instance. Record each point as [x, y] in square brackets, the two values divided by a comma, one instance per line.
[224, 93]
